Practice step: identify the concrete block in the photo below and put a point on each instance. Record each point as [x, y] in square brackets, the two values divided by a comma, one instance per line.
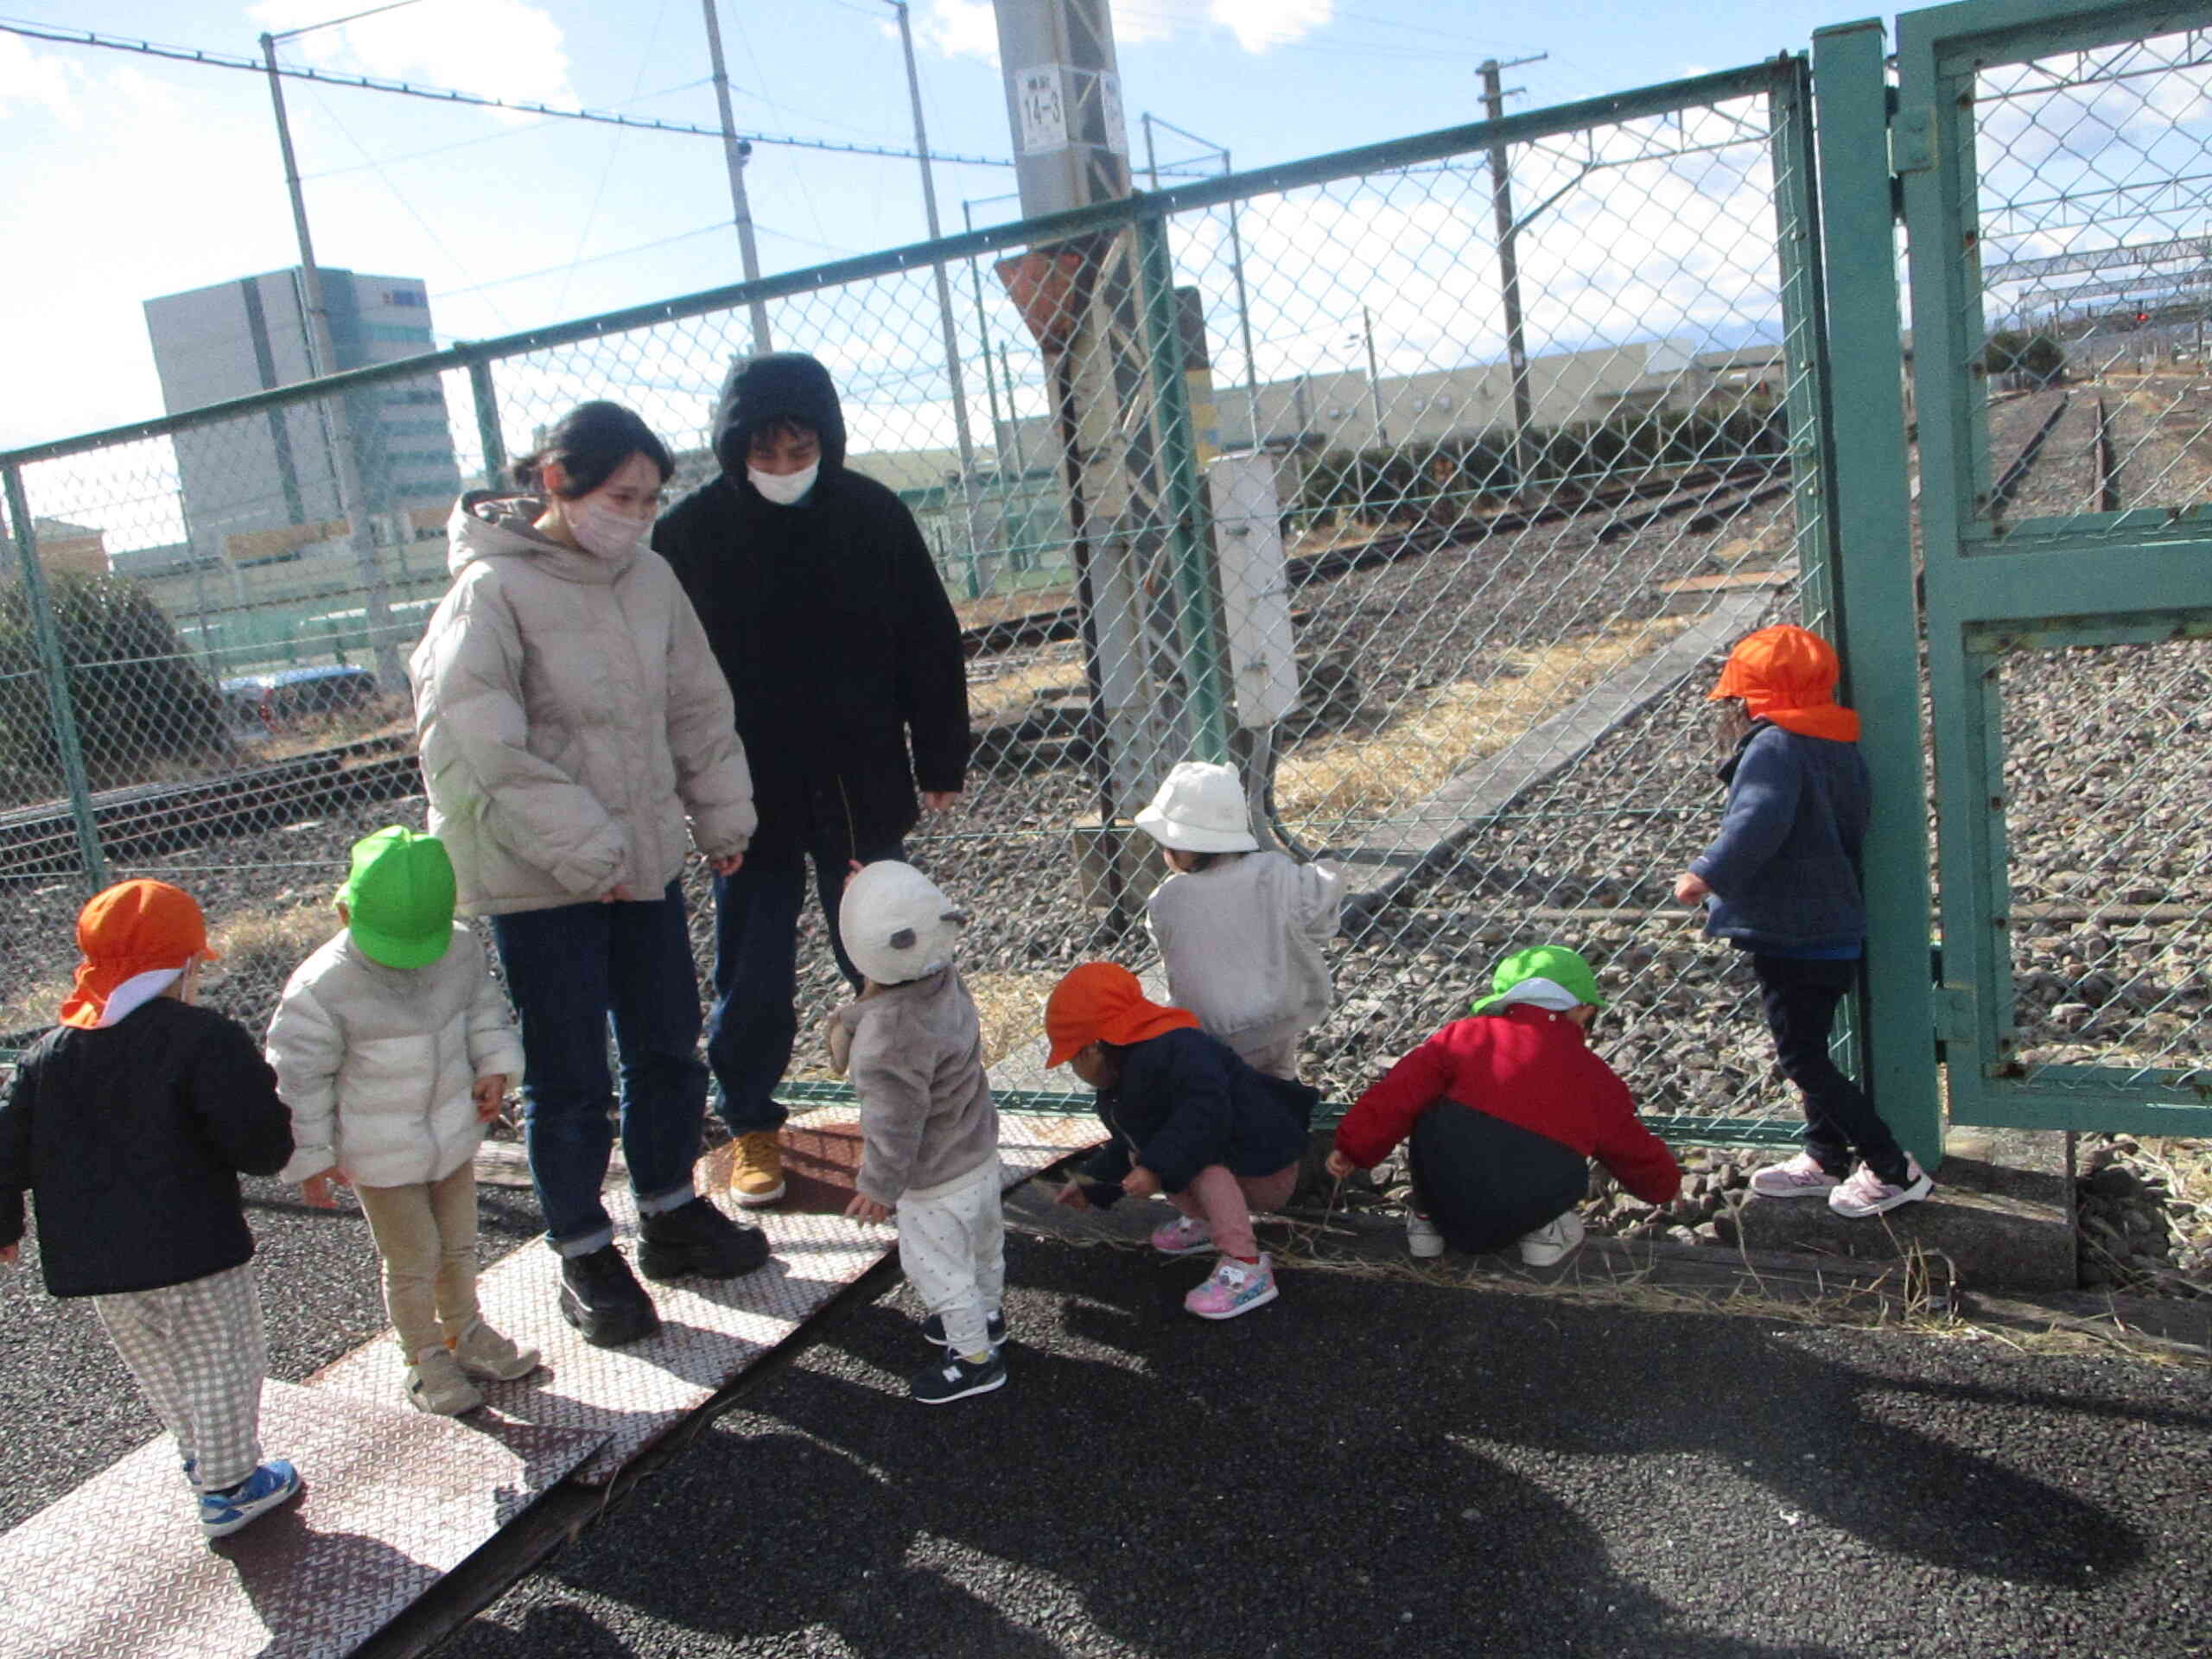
[2001, 1215]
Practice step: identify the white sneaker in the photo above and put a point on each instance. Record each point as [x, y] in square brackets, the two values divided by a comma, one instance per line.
[1867, 1194]
[1801, 1177]
[1554, 1241]
[436, 1383]
[1422, 1240]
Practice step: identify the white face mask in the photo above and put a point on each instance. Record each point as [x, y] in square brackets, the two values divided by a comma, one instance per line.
[603, 531]
[785, 489]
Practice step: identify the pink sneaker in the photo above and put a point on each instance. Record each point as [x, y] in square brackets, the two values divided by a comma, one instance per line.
[1181, 1237]
[1867, 1194]
[1801, 1176]
[1233, 1287]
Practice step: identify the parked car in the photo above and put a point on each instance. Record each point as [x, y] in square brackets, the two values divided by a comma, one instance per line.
[292, 696]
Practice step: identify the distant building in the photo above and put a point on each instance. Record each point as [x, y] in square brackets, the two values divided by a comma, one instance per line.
[63, 550]
[276, 472]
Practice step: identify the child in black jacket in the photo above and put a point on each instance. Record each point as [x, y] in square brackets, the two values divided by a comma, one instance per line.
[1189, 1120]
[132, 1121]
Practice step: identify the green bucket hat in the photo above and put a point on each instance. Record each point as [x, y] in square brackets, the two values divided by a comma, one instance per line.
[399, 897]
[1538, 974]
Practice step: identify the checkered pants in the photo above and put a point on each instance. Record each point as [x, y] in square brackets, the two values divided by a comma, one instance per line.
[197, 1353]
[952, 1244]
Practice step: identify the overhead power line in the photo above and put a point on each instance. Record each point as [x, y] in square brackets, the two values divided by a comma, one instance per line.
[449, 95]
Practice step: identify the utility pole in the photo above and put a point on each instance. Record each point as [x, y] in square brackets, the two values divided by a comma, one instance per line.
[1509, 265]
[735, 153]
[1236, 260]
[954, 381]
[1374, 380]
[322, 359]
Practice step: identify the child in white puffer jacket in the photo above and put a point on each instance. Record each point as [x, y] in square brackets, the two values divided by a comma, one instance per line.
[393, 1047]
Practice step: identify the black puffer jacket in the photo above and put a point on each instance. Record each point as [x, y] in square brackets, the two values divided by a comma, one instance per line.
[841, 648]
[133, 1137]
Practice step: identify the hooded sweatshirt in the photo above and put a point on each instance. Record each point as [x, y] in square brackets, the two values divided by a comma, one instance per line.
[570, 715]
[842, 652]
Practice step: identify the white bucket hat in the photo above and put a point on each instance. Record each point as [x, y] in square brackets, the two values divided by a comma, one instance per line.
[1200, 809]
[896, 924]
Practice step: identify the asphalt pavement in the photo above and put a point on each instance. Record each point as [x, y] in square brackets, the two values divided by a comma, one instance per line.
[1377, 1465]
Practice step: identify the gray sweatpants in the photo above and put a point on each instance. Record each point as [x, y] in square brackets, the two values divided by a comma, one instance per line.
[952, 1244]
[199, 1354]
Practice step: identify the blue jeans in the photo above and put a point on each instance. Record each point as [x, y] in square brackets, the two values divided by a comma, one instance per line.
[753, 1024]
[569, 970]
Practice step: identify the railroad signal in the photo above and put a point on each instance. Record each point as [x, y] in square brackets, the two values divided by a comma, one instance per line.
[2142, 316]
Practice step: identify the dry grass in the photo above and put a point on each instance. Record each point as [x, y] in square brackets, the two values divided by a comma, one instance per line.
[1435, 734]
[1011, 1007]
[1054, 668]
[264, 946]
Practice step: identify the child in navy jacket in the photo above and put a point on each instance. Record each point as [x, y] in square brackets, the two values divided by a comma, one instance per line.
[1504, 1111]
[1189, 1120]
[1781, 883]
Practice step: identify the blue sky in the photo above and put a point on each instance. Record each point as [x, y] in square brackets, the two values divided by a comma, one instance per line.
[126, 177]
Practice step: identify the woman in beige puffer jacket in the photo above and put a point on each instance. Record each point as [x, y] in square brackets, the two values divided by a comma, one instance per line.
[571, 717]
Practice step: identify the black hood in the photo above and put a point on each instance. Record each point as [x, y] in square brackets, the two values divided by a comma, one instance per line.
[776, 385]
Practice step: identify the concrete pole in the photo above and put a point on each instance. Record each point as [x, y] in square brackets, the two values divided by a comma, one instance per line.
[322, 359]
[735, 153]
[954, 381]
[1509, 272]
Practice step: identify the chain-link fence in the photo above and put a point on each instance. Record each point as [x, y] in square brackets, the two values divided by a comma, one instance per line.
[2086, 171]
[1428, 483]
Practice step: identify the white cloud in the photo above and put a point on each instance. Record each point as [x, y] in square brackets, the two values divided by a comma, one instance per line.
[503, 49]
[1260, 25]
[48, 83]
[962, 28]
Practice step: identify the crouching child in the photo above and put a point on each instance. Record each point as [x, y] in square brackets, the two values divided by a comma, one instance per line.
[1504, 1110]
[931, 1132]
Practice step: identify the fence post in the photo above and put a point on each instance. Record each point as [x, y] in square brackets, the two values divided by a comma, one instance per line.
[488, 435]
[57, 682]
[1878, 617]
[1181, 498]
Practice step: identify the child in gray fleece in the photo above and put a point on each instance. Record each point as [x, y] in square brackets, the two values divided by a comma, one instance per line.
[915, 1050]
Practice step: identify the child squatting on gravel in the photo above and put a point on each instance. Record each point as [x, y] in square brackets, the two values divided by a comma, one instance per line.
[1781, 883]
[931, 1133]
[1240, 931]
[132, 1121]
[393, 1048]
[1186, 1119]
[1504, 1110]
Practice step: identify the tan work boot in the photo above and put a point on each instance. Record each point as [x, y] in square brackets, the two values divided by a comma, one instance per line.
[756, 1169]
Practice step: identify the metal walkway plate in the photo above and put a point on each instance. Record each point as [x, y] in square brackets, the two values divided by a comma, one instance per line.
[711, 1330]
[393, 1500]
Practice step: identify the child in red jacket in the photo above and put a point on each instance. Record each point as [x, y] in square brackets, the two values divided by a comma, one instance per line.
[1504, 1111]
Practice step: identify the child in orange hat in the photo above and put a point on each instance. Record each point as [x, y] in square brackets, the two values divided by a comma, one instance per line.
[1781, 883]
[132, 1121]
[1189, 1120]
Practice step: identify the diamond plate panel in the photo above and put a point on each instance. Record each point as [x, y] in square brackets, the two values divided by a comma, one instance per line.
[711, 1330]
[394, 1499]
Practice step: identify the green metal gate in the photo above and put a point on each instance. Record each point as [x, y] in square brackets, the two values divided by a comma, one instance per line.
[2053, 161]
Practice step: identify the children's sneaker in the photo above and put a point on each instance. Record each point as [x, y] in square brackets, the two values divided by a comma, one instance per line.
[482, 1351]
[1867, 1194]
[1552, 1243]
[274, 1483]
[603, 1300]
[1234, 1287]
[436, 1383]
[993, 1327]
[1801, 1177]
[1422, 1240]
[957, 1378]
[756, 1169]
[696, 1239]
[1182, 1236]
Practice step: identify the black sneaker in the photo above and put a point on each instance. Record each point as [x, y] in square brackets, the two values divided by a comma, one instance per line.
[695, 1240]
[957, 1378]
[993, 1327]
[603, 1300]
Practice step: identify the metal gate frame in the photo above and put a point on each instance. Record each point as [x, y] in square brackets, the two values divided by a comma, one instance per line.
[1991, 587]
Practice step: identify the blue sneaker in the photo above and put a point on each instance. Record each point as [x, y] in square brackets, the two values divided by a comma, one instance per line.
[223, 1513]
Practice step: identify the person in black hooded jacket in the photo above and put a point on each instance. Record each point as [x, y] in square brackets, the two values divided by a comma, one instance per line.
[823, 605]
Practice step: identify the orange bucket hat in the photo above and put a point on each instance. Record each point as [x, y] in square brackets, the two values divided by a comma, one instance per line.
[132, 928]
[1102, 1001]
[1787, 675]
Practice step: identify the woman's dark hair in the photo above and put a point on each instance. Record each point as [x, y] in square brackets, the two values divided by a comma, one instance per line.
[590, 442]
